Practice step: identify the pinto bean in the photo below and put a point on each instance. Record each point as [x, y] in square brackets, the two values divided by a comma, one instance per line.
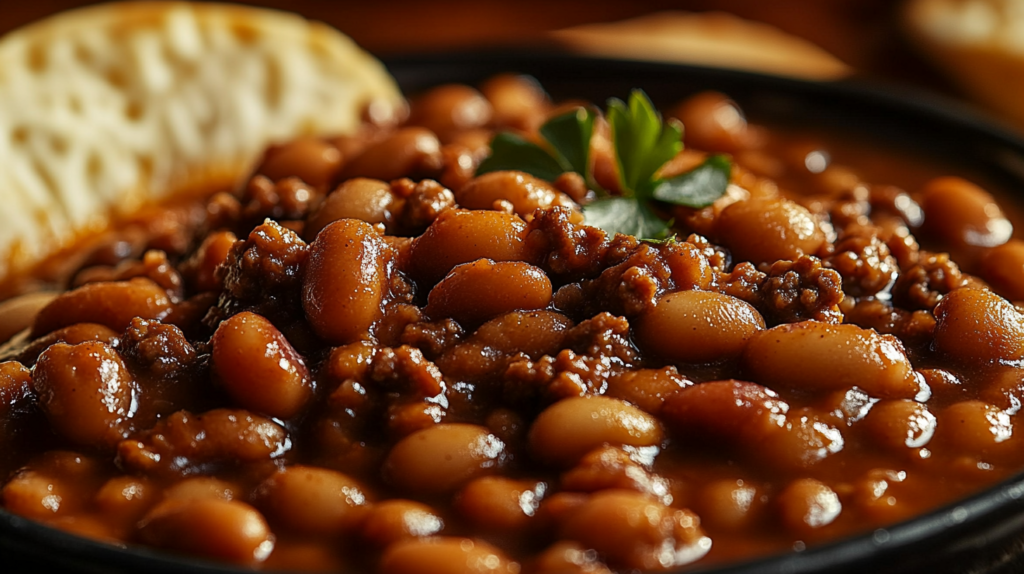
[647, 388]
[394, 520]
[209, 527]
[443, 457]
[961, 214]
[767, 230]
[978, 429]
[1002, 267]
[500, 504]
[568, 558]
[807, 504]
[310, 159]
[126, 498]
[977, 326]
[202, 266]
[86, 392]
[534, 333]
[815, 356]
[359, 198]
[449, 109]
[730, 504]
[525, 192]
[900, 424]
[518, 101]
[754, 421]
[311, 500]
[715, 123]
[475, 292]
[698, 327]
[345, 282]
[572, 427]
[408, 152]
[113, 304]
[632, 531]
[259, 368]
[443, 555]
[459, 236]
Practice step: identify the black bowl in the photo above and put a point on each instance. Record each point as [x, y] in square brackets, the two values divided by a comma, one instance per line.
[981, 534]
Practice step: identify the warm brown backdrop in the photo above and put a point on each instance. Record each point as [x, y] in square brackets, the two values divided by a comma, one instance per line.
[863, 33]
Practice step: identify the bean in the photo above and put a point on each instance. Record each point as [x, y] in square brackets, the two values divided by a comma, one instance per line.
[310, 159]
[408, 152]
[394, 520]
[208, 527]
[698, 327]
[568, 558]
[525, 192]
[112, 304]
[449, 109]
[534, 333]
[632, 531]
[126, 498]
[518, 101]
[978, 429]
[961, 214]
[18, 313]
[977, 326]
[15, 386]
[729, 504]
[202, 487]
[715, 123]
[311, 500]
[86, 392]
[361, 198]
[767, 230]
[443, 457]
[443, 555]
[647, 388]
[1002, 267]
[476, 292]
[37, 496]
[500, 504]
[260, 370]
[807, 504]
[612, 467]
[345, 282]
[570, 428]
[815, 356]
[900, 424]
[459, 236]
[201, 268]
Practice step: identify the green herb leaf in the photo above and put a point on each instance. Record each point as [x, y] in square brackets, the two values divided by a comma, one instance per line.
[642, 142]
[569, 135]
[509, 151]
[625, 215]
[699, 187]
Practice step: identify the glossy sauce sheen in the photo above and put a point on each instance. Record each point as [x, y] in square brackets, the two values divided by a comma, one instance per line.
[368, 359]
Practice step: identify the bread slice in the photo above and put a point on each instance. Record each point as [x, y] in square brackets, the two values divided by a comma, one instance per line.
[979, 44]
[105, 108]
[705, 38]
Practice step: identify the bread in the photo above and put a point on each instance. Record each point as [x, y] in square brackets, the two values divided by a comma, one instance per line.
[711, 39]
[979, 44]
[106, 108]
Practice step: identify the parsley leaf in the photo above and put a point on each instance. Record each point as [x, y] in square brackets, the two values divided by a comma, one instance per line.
[509, 151]
[569, 135]
[625, 215]
[699, 187]
[643, 143]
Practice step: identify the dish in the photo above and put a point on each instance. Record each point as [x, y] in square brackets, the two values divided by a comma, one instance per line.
[778, 95]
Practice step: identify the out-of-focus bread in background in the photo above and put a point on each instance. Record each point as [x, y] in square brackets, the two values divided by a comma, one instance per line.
[109, 107]
[706, 38]
[979, 44]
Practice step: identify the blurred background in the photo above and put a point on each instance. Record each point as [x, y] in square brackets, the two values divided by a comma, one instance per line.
[865, 38]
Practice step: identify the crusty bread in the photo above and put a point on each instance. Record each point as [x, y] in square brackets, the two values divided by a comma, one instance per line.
[107, 107]
[707, 38]
[978, 43]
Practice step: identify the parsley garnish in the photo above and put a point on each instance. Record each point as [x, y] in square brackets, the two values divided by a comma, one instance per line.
[643, 143]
